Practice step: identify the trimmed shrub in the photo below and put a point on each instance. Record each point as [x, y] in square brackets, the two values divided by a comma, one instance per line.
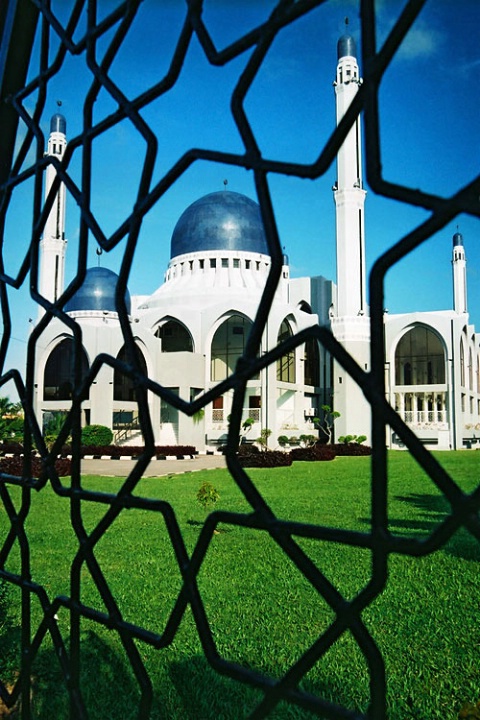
[351, 449]
[131, 450]
[15, 448]
[248, 449]
[14, 466]
[270, 459]
[96, 435]
[313, 453]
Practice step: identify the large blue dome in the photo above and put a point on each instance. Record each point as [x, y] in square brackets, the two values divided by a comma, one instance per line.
[97, 292]
[222, 220]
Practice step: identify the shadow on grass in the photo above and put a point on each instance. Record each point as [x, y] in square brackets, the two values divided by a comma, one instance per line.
[108, 686]
[206, 695]
[432, 510]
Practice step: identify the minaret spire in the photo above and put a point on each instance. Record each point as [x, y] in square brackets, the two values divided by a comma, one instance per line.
[459, 267]
[53, 243]
[349, 318]
[349, 194]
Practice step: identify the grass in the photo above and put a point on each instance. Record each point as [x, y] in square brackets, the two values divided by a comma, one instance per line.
[262, 612]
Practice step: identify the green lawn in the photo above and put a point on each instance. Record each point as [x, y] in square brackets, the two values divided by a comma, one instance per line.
[262, 612]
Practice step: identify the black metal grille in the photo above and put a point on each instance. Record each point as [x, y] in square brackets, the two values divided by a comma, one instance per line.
[19, 22]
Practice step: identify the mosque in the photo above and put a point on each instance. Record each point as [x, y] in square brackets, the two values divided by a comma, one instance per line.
[192, 330]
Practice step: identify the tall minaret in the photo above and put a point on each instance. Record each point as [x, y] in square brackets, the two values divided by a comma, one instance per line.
[348, 192]
[53, 243]
[459, 265]
[349, 318]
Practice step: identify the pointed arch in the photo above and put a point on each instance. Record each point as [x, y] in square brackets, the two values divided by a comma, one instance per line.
[123, 385]
[420, 358]
[286, 364]
[174, 335]
[228, 345]
[59, 373]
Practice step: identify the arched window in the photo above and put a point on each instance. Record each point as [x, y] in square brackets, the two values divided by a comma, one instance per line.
[123, 386]
[470, 369]
[228, 345]
[462, 364]
[58, 379]
[478, 373]
[286, 364]
[420, 358]
[312, 363]
[175, 337]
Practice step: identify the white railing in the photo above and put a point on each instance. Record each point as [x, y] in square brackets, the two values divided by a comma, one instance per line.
[424, 417]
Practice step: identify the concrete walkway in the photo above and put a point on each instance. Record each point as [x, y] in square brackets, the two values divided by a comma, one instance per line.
[157, 468]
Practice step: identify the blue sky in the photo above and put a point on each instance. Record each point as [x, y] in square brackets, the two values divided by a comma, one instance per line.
[429, 103]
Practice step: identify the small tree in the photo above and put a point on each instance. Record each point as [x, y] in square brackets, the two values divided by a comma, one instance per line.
[198, 416]
[263, 439]
[307, 440]
[53, 427]
[11, 419]
[207, 495]
[329, 417]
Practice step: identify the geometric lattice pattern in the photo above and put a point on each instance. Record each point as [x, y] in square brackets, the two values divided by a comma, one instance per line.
[98, 41]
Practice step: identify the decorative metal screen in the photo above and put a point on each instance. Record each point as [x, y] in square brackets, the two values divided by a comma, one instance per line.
[21, 21]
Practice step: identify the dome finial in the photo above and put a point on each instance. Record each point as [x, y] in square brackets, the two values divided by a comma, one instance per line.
[225, 183]
[346, 46]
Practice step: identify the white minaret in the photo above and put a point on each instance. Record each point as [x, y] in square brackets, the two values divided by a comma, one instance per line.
[349, 318]
[459, 266]
[349, 194]
[53, 243]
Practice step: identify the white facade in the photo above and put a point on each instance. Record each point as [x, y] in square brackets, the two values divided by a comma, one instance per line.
[192, 330]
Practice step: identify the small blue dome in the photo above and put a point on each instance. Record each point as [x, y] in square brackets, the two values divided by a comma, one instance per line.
[346, 46]
[222, 220]
[97, 292]
[457, 239]
[58, 124]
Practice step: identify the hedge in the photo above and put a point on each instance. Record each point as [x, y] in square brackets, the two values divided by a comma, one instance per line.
[269, 459]
[351, 449]
[14, 466]
[313, 453]
[112, 450]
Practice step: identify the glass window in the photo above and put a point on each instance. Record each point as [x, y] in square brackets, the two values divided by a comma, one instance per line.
[312, 362]
[420, 358]
[175, 337]
[462, 364]
[286, 364]
[123, 385]
[228, 345]
[58, 379]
